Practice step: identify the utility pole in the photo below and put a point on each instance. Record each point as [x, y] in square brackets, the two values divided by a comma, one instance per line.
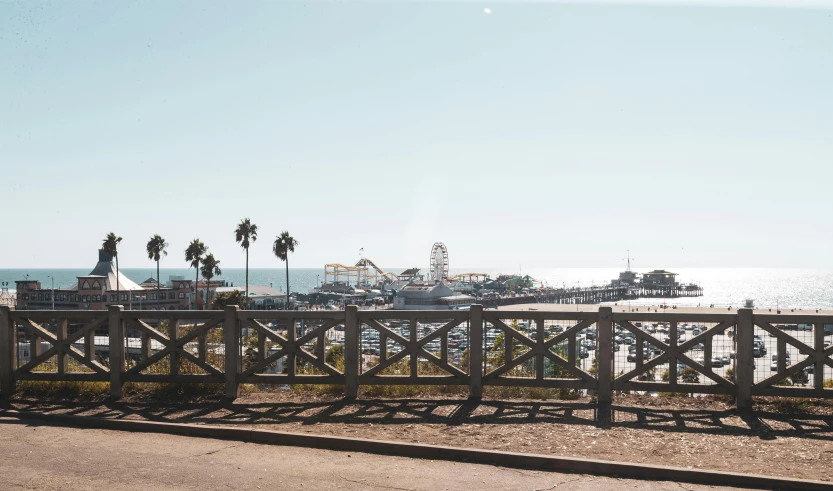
[53, 291]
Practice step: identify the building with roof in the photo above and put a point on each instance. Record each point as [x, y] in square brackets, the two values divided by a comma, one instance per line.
[98, 289]
[433, 295]
[659, 278]
[260, 297]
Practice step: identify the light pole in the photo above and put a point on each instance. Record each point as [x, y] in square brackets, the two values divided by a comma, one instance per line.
[53, 291]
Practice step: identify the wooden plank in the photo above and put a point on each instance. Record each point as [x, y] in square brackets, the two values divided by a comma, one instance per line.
[672, 354]
[452, 370]
[794, 318]
[570, 333]
[277, 315]
[352, 366]
[426, 315]
[202, 346]
[673, 317]
[231, 335]
[779, 334]
[572, 368]
[441, 332]
[604, 337]
[507, 367]
[8, 346]
[571, 350]
[47, 315]
[551, 383]
[318, 331]
[388, 333]
[173, 324]
[744, 358]
[383, 347]
[198, 315]
[390, 361]
[781, 355]
[818, 373]
[408, 380]
[492, 315]
[144, 327]
[61, 356]
[63, 377]
[292, 347]
[539, 351]
[90, 327]
[89, 346]
[116, 335]
[476, 351]
[320, 364]
[414, 365]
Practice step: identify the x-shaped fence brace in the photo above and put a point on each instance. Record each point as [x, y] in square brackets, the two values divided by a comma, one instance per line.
[414, 347]
[817, 357]
[292, 348]
[673, 352]
[540, 348]
[174, 345]
[64, 346]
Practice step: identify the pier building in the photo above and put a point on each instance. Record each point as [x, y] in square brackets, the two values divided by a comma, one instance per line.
[97, 290]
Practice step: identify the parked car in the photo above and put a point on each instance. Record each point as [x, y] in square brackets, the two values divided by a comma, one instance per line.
[717, 362]
[773, 367]
[726, 360]
[645, 356]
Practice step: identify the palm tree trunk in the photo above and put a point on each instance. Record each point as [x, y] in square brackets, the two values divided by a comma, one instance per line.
[196, 282]
[118, 296]
[247, 277]
[287, 282]
[158, 300]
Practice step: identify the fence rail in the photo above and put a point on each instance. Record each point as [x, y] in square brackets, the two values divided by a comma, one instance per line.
[597, 352]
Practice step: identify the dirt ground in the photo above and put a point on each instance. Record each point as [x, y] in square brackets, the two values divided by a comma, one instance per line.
[782, 439]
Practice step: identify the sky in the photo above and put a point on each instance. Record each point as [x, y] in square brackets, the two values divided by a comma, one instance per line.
[540, 134]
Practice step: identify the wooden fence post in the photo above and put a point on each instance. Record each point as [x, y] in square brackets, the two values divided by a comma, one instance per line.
[745, 359]
[351, 352]
[114, 313]
[7, 354]
[232, 350]
[604, 331]
[476, 352]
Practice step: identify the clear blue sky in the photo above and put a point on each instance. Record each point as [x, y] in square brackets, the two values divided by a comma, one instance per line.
[542, 134]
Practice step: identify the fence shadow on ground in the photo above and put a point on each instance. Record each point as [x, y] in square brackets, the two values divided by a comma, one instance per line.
[759, 424]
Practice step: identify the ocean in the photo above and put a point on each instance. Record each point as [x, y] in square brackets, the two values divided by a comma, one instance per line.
[724, 287]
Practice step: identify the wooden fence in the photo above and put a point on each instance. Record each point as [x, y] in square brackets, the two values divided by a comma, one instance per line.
[738, 354]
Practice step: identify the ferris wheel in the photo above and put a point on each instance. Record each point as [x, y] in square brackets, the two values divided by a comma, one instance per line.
[439, 262]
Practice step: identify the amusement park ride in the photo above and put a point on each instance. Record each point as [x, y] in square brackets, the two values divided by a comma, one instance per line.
[365, 273]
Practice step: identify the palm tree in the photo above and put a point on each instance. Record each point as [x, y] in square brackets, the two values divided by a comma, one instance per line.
[244, 232]
[111, 247]
[194, 253]
[284, 244]
[156, 248]
[210, 268]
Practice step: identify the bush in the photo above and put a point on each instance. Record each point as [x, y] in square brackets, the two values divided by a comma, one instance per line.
[690, 375]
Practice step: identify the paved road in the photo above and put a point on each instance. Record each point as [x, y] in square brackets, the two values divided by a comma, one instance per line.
[40, 457]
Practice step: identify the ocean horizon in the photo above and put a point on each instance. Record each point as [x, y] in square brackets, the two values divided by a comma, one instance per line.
[768, 287]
